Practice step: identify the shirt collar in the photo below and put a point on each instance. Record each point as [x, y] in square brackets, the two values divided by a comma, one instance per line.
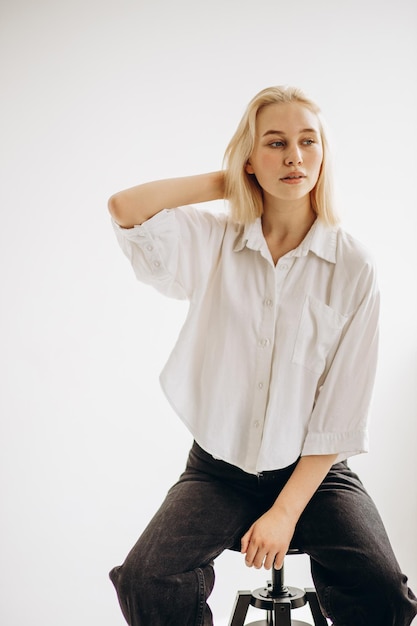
[320, 239]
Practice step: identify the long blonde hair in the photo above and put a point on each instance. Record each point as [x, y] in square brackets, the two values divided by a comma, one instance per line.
[242, 189]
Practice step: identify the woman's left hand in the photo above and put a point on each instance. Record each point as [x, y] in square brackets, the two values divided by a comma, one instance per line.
[268, 539]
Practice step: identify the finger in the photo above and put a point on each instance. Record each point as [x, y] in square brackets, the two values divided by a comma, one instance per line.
[251, 553]
[269, 560]
[259, 558]
[244, 542]
[279, 561]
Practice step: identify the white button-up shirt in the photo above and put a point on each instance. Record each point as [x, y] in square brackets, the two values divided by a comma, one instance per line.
[273, 361]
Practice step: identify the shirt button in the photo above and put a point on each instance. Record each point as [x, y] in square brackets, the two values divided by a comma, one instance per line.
[260, 385]
[264, 343]
[156, 264]
[256, 424]
[268, 302]
[283, 267]
[149, 247]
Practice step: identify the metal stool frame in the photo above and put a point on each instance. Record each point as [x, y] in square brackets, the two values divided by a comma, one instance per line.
[278, 600]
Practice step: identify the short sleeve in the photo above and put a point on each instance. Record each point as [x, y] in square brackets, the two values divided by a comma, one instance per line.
[173, 251]
[339, 421]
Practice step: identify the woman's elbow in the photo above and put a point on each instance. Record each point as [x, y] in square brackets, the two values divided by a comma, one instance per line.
[117, 209]
[113, 206]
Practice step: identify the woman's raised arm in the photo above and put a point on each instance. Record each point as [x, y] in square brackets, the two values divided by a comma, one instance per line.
[134, 206]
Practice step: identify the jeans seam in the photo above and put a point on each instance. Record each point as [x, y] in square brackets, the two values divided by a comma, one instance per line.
[201, 596]
[326, 602]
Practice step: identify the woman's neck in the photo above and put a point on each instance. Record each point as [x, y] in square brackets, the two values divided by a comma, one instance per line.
[284, 228]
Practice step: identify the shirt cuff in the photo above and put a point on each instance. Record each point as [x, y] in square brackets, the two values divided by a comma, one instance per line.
[146, 246]
[344, 445]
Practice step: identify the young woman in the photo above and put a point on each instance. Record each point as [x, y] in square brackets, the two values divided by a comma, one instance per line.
[272, 373]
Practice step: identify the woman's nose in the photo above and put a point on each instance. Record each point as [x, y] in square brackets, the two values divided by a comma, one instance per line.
[294, 156]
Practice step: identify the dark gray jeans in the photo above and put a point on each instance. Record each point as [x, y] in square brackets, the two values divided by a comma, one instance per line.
[168, 575]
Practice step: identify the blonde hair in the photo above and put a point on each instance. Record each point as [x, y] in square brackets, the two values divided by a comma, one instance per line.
[242, 190]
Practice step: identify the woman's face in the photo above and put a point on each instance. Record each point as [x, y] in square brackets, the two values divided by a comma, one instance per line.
[288, 152]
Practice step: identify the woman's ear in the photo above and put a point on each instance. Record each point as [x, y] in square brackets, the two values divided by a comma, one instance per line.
[248, 168]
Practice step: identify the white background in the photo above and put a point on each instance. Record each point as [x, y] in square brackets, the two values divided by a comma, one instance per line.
[100, 95]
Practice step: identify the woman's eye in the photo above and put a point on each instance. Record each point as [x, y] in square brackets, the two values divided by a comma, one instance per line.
[276, 144]
[308, 142]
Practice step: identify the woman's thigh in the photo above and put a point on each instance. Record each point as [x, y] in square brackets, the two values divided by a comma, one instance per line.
[354, 568]
[201, 516]
[341, 516]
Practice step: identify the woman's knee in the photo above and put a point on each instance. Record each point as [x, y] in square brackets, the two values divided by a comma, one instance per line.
[371, 595]
[132, 576]
[163, 598]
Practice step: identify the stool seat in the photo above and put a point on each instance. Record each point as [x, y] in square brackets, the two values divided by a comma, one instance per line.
[278, 600]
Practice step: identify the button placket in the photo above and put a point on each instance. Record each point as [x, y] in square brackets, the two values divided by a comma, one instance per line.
[281, 271]
[263, 371]
[274, 283]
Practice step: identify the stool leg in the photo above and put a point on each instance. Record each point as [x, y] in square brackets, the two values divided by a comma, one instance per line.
[282, 613]
[318, 617]
[240, 608]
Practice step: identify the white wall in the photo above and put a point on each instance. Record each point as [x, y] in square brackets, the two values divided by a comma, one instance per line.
[99, 95]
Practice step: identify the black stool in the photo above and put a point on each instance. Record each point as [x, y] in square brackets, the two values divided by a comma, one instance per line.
[277, 600]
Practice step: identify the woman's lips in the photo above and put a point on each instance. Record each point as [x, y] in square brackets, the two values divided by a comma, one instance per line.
[293, 179]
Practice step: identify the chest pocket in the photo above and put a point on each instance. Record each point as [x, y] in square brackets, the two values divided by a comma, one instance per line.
[318, 333]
